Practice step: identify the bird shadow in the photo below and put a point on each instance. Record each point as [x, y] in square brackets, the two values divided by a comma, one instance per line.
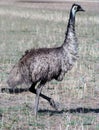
[82, 110]
[13, 91]
[79, 110]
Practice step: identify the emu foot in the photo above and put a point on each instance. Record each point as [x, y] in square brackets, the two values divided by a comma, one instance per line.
[54, 104]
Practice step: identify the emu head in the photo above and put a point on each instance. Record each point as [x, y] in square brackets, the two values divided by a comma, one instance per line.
[75, 8]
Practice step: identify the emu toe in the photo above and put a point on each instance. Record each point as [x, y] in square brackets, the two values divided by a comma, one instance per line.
[54, 104]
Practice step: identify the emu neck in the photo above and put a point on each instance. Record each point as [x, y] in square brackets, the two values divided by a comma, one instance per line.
[70, 26]
[70, 41]
[71, 23]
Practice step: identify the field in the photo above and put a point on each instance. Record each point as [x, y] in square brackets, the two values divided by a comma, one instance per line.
[24, 25]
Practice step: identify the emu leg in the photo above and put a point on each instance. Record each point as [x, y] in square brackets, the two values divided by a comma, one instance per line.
[50, 100]
[38, 91]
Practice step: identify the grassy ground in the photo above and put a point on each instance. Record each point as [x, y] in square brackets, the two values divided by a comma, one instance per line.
[23, 26]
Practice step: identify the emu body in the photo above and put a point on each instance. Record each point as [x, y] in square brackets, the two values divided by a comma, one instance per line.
[44, 64]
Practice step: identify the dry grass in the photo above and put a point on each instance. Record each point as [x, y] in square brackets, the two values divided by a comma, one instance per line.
[23, 27]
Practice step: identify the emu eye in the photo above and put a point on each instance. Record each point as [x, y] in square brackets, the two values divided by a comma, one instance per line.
[75, 8]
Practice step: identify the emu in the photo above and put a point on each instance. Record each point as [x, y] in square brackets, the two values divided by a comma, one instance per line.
[38, 66]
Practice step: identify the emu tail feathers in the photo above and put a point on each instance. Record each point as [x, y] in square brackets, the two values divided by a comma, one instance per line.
[15, 77]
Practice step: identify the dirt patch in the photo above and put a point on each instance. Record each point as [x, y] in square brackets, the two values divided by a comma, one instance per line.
[54, 4]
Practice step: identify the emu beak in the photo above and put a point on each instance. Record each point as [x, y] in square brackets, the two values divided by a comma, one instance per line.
[81, 9]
